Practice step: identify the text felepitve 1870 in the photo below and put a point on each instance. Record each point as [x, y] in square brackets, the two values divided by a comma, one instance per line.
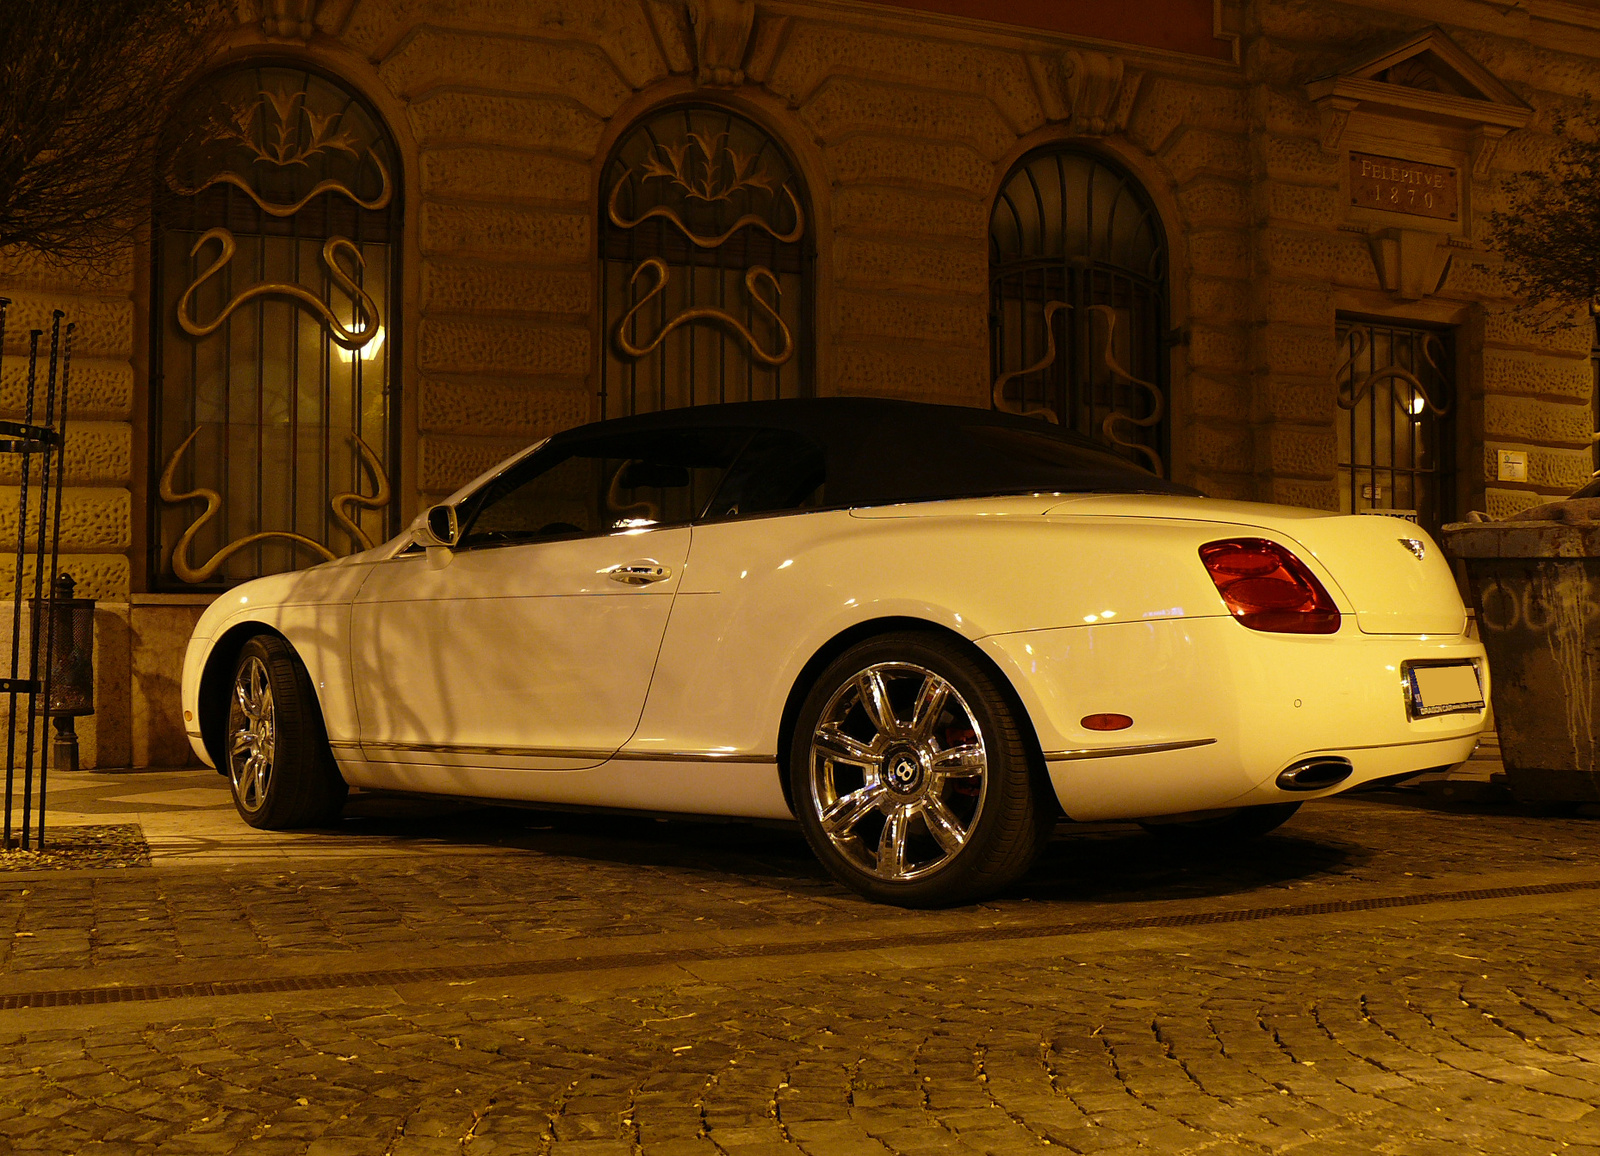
[1402, 186]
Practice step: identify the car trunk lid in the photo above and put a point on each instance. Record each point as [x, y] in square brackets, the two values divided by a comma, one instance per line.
[1370, 558]
[1391, 570]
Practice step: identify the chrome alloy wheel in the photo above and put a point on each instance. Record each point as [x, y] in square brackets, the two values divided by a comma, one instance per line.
[898, 771]
[253, 734]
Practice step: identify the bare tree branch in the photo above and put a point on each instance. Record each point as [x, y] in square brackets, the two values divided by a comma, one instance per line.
[1550, 234]
[84, 88]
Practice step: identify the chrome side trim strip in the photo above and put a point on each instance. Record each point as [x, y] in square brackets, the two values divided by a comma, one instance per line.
[1112, 752]
[692, 757]
[564, 753]
[468, 749]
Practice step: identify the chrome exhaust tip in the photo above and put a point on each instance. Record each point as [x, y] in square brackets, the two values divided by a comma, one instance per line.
[1315, 774]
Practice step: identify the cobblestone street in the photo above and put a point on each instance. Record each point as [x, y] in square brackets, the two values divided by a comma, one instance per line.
[1381, 975]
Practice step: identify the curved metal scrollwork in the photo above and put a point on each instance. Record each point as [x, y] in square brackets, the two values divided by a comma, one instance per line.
[997, 392]
[719, 180]
[1158, 406]
[381, 201]
[1108, 359]
[213, 500]
[1351, 392]
[187, 572]
[705, 313]
[1071, 229]
[378, 500]
[705, 242]
[349, 338]
[695, 200]
[302, 134]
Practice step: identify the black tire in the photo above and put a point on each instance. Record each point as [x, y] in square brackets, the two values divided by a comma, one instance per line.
[275, 748]
[1237, 825]
[935, 802]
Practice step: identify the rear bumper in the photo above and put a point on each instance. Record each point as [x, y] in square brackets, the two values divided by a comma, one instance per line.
[1220, 710]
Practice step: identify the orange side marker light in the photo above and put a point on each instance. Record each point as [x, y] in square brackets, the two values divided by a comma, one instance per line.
[1106, 722]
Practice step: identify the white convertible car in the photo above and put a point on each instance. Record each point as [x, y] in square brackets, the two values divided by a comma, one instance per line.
[925, 632]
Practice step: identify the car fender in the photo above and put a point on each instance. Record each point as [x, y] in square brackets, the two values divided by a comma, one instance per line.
[310, 609]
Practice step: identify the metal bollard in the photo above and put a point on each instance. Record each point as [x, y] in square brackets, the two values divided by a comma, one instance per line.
[70, 674]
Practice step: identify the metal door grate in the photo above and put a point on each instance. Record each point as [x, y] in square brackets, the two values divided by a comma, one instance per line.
[1396, 393]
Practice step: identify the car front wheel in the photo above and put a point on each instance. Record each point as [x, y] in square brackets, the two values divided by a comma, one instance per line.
[278, 762]
[910, 775]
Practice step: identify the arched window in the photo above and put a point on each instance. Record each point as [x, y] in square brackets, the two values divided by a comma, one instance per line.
[276, 274]
[705, 265]
[1078, 301]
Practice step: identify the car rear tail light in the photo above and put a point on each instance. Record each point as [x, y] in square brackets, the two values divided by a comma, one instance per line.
[1268, 588]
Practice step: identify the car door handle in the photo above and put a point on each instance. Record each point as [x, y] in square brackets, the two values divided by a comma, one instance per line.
[641, 573]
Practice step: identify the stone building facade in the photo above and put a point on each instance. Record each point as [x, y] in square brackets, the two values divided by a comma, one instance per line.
[1244, 240]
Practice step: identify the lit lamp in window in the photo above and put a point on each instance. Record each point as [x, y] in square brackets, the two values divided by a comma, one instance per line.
[69, 665]
[367, 351]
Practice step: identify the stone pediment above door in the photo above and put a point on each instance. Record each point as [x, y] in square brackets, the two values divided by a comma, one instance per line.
[1415, 123]
[1425, 88]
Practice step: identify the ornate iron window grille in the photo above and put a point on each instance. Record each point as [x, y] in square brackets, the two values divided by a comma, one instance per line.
[706, 262]
[1396, 397]
[274, 336]
[1078, 301]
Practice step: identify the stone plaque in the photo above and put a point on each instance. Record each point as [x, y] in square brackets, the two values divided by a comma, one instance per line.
[1401, 186]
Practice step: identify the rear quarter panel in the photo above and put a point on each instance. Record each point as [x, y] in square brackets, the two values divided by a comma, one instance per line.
[761, 596]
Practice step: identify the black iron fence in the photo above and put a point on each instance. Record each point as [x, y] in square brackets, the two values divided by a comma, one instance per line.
[37, 441]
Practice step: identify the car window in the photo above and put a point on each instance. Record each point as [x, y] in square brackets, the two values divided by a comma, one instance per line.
[778, 470]
[601, 485]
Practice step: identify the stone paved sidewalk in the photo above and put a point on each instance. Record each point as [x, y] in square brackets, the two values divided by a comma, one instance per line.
[1379, 976]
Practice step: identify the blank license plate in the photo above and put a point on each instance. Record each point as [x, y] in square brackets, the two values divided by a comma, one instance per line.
[1444, 689]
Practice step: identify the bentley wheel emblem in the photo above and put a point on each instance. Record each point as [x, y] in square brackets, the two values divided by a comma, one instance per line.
[1415, 545]
[903, 773]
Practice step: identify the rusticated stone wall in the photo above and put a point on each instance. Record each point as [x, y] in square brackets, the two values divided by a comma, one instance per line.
[903, 126]
[97, 510]
[1516, 388]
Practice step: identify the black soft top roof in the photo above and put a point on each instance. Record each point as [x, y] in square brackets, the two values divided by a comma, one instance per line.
[879, 452]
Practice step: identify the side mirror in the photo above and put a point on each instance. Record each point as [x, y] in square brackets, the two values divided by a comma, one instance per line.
[438, 528]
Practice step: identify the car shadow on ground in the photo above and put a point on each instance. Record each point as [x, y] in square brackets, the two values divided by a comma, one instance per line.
[1472, 797]
[1105, 863]
[1118, 863]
